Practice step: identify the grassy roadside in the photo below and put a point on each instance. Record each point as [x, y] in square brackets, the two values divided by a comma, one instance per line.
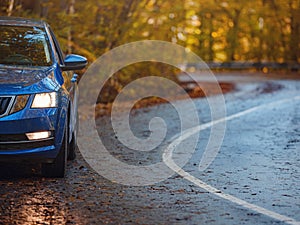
[197, 90]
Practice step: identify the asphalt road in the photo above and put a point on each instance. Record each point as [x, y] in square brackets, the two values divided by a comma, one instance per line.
[254, 178]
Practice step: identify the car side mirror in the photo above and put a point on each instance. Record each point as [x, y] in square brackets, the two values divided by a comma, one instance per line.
[74, 62]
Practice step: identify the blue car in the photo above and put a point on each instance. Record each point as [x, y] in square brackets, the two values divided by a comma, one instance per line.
[38, 96]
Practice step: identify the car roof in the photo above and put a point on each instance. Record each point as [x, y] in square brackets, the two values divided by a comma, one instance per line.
[18, 21]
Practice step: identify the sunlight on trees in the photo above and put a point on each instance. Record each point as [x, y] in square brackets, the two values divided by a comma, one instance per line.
[217, 30]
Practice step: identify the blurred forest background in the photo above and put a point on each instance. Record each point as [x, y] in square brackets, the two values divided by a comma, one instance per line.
[216, 30]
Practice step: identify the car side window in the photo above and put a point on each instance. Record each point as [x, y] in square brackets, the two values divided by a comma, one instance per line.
[67, 75]
[59, 53]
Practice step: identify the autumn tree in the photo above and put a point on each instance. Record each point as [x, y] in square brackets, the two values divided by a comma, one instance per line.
[218, 30]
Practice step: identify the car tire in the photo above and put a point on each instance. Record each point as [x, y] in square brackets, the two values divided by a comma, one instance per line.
[57, 169]
[72, 148]
[73, 144]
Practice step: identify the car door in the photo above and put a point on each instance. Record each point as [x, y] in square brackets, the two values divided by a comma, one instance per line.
[70, 84]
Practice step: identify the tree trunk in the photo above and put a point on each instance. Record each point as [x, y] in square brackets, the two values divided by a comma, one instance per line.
[33, 6]
[44, 9]
[232, 37]
[211, 40]
[295, 33]
[10, 7]
[128, 7]
[70, 36]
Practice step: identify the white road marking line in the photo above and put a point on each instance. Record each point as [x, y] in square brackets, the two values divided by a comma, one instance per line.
[168, 153]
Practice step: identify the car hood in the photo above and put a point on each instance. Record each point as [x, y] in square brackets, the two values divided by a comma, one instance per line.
[16, 80]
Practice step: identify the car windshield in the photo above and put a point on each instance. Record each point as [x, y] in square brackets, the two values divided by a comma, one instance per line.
[24, 46]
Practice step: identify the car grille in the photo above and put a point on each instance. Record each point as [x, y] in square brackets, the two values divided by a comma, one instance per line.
[5, 105]
[25, 146]
[12, 137]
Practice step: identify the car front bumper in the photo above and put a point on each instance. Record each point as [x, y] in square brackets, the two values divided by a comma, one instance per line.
[16, 146]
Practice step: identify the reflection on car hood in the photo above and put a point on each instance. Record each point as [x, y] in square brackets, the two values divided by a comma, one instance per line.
[22, 77]
[27, 80]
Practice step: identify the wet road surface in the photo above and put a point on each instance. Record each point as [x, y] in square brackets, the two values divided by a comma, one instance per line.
[259, 162]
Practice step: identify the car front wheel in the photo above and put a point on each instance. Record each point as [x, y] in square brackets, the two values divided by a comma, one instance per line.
[58, 167]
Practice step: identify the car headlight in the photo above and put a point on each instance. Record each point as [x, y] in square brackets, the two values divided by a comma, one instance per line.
[45, 100]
